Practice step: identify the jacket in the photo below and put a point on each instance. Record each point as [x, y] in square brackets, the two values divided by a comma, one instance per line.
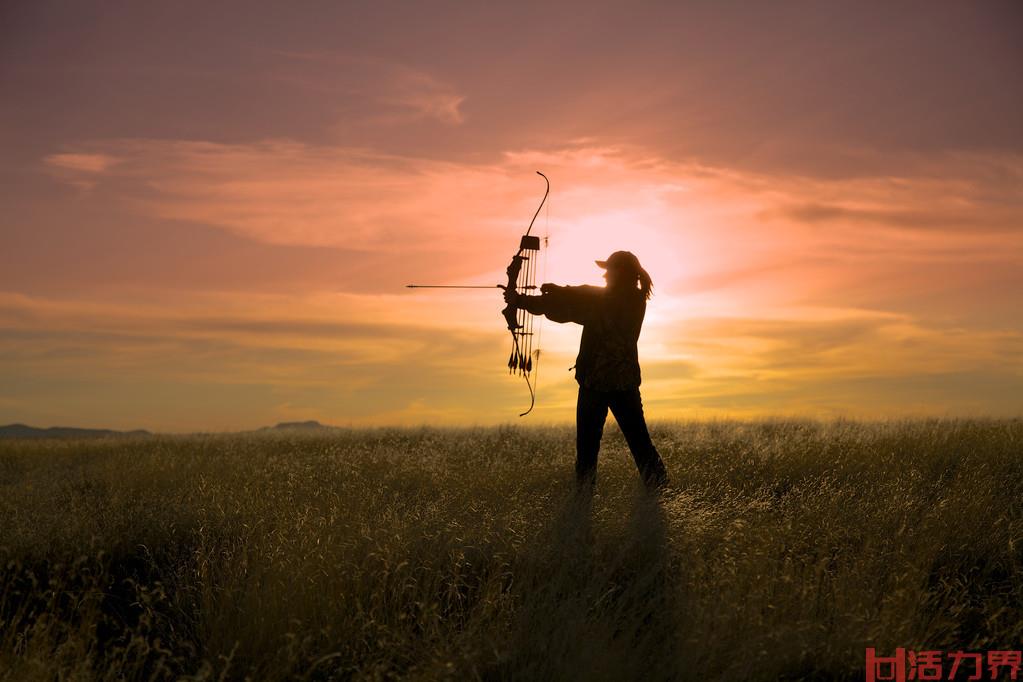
[608, 357]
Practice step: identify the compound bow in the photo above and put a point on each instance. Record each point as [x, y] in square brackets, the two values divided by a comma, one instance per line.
[521, 272]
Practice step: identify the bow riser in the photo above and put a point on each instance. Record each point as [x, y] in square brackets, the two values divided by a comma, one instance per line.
[526, 244]
[520, 274]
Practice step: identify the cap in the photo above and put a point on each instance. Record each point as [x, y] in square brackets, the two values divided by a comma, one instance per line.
[621, 260]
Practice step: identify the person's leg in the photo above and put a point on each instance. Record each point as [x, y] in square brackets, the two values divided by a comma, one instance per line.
[627, 407]
[590, 415]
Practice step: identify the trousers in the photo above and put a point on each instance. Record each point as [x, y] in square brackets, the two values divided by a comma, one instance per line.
[627, 408]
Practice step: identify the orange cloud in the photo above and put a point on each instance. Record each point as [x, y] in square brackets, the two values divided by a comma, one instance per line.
[242, 261]
[773, 294]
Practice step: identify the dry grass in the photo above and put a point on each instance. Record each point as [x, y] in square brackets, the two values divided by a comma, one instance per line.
[462, 554]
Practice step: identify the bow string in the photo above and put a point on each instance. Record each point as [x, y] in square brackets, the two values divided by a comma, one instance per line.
[522, 278]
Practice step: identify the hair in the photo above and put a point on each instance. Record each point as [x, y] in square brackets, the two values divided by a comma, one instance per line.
[646, 285]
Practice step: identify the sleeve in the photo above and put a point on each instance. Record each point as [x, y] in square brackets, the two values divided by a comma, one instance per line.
[564, 304]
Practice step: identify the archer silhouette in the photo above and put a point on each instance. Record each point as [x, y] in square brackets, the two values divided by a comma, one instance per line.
[607, 367]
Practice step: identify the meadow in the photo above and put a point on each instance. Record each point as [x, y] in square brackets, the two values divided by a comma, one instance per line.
[784, 549]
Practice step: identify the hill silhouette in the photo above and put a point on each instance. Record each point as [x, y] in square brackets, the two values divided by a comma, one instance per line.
[25, 431]
[310, 425]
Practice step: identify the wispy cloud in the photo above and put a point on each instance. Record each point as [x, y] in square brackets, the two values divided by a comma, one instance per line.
[86, 163]
[347, 359]
[80, 169]
[392, 93]
[803, 289]
[423, 96]
[240, 261]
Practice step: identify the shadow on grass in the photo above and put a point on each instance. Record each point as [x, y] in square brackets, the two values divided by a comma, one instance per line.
[595, 607]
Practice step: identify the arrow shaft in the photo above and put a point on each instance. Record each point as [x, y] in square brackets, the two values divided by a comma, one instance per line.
[457, 286]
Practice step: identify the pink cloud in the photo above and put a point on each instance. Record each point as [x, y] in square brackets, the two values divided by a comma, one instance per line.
[87, 163]
[787, 282]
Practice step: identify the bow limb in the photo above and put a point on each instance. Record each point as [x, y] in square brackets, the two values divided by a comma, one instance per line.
[546, 192]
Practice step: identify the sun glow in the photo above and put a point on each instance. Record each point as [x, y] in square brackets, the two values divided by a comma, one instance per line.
[238, 264]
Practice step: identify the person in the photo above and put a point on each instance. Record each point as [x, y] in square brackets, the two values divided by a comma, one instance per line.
[607, 367]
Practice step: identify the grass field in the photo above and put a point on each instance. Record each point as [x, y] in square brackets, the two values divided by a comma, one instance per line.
[787, 549]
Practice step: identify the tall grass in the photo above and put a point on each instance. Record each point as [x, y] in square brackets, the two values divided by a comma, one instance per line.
[786, 549]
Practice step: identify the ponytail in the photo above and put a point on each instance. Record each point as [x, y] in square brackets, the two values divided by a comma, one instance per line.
[646, 285]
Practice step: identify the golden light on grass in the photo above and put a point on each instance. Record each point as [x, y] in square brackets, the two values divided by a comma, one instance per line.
[790, 546]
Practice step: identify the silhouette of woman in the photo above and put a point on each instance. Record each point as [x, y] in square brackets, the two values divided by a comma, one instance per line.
[607, 367]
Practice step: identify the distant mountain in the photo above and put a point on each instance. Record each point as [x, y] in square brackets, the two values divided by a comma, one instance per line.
[13, 431]
[310, 425]
[23, 431]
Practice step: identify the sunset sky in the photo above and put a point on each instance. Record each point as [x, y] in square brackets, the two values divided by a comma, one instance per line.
[210, 209]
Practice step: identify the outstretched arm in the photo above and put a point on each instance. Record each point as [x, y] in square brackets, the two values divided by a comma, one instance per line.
[558, 303]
